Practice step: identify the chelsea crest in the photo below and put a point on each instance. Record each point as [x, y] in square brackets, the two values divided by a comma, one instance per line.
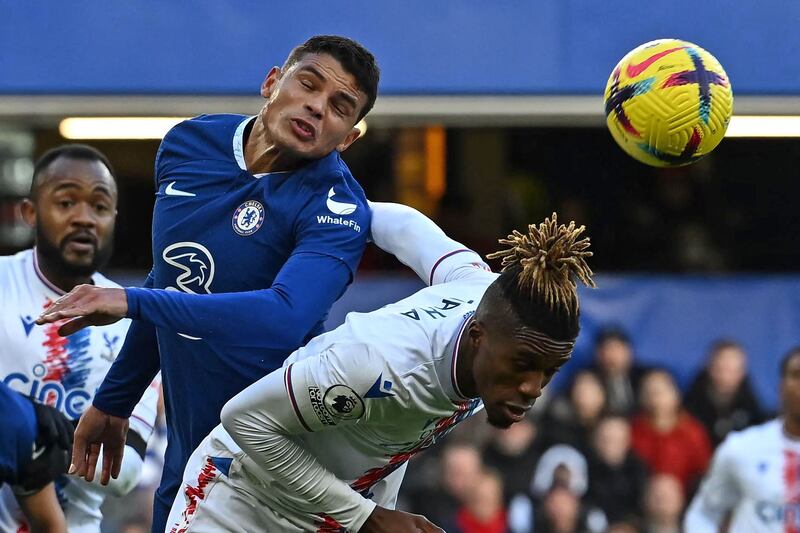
[248, 217]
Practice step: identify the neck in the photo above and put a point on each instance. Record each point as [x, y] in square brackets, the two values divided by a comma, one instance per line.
[464, 362]
[262, 155]
[63, 281]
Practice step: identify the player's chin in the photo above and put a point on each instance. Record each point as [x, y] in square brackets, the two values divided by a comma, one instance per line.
[498, 418]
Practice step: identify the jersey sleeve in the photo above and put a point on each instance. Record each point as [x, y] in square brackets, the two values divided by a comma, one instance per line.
[280, 317]
[719, 492]
[133, 370]
[323, 392]
[333, 222]
[419, 243]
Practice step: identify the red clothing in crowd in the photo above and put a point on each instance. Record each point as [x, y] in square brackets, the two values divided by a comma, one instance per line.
[683, 452]
[467, 523]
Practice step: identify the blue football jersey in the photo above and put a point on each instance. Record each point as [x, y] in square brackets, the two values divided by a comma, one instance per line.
[245, 269]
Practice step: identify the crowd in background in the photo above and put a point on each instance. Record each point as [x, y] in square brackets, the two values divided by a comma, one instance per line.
[619, 451]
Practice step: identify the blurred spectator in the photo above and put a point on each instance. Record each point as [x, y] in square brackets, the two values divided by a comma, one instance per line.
[667, 438]
[561, 466]
[561, 511]
[483, 510]
[721, 396]
[617, 477]
[618, 374]
[460, 467]
[663, 502]
[514, 452]
[571, 419]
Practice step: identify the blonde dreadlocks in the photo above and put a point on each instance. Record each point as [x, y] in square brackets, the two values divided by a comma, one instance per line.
[550, 256]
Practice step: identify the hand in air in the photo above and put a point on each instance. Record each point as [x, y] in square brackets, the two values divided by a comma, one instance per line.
[384, 520]
[86, 305]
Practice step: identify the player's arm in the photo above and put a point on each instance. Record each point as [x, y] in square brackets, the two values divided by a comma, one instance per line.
[315, 275]
[419, 243]
[314, 394]
[104, 424]
[43, 511]
[718, 494]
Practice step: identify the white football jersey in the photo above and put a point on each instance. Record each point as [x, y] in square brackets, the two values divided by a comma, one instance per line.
[61, 371]
[369, 395]
[755, 474]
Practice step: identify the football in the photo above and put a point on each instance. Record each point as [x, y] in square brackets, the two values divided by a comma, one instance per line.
[668, 103]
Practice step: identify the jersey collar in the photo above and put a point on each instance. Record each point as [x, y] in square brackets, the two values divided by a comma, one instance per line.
[39, 274]
[238, 147]
[455, 392]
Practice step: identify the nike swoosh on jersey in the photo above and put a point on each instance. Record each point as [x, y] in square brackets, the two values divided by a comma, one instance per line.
[172, 191]
[634, 70]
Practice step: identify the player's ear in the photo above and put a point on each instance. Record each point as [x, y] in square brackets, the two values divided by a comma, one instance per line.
[28, 209]
[352, 137]
[268, 85]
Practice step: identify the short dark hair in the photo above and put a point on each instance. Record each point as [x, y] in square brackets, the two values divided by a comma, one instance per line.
[356, 60]
[612, 333]
[82, 152]
[788, 357]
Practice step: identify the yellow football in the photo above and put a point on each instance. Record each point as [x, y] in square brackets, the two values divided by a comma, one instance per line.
[668, 103]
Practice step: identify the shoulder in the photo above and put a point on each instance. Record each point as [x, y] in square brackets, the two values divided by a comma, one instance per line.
[353, 361]
[201, 137]
[753, 437]
[331, 172]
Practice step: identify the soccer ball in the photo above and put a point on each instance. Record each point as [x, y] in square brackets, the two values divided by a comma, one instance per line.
[668, 103]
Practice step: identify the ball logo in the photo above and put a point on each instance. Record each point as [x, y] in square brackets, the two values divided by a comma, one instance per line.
[248, 217]
[343, 403]
[339, 208]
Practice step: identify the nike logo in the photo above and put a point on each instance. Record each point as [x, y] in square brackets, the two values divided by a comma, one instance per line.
[172, 191]
[339, 208]
[37, 452]
[634, 70]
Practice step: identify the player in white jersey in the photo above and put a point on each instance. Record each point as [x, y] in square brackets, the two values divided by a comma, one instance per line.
[322, 444]
[72, 208]
[755, 473]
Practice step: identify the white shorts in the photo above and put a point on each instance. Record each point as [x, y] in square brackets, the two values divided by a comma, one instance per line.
[215, 496]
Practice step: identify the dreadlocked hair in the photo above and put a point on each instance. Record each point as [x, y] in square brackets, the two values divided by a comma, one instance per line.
[539, 272]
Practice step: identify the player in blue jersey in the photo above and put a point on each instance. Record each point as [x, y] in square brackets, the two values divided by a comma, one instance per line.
[258, 228]
[34, 450]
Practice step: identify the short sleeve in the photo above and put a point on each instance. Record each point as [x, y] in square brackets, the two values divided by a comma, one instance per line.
[143, 417]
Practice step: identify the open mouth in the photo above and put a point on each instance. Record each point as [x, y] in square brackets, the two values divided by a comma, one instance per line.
[303, 129]
[515, 412]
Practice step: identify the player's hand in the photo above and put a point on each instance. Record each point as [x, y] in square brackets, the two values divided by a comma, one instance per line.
[86, 305]
[384, 520]
[97, 430]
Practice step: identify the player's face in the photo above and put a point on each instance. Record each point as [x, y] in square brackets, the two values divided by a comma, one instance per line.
[509, 374]
[790, 388]
[73, 214]
[312, 107]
